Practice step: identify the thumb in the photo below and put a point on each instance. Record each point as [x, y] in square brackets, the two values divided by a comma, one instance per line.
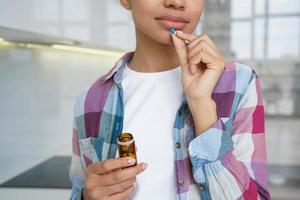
[181, 50]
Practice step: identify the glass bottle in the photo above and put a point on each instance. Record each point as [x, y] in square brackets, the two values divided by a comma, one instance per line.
[126, 146]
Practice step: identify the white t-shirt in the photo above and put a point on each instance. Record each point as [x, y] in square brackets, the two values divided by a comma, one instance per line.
[151, 101]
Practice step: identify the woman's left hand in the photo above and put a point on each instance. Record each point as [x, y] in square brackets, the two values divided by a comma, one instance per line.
[201, 62]
[202, 65]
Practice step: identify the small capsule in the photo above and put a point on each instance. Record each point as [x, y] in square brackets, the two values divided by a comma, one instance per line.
[173, 30]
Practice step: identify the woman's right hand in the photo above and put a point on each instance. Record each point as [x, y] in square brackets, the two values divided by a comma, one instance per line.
[111, 180]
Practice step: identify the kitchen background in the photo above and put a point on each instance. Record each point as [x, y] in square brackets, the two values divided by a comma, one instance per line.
[52, 50]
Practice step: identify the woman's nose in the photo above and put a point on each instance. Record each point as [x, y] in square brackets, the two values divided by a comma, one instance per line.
[177, 4]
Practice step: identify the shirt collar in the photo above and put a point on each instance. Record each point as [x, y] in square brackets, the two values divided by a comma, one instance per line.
[117, 71]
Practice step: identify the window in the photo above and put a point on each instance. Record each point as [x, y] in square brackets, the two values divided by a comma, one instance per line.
[275, 25]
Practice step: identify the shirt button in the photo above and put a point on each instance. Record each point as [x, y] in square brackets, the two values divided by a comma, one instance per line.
[178, 145]
[201, 187]
[181, 182]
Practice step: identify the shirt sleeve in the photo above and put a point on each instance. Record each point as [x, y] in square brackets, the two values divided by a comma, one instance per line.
[229, 160]
[77, 172]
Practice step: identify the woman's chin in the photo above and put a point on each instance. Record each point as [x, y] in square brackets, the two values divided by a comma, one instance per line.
[165, 38]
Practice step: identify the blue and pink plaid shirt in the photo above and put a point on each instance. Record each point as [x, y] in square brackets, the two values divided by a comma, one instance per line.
[228, 161]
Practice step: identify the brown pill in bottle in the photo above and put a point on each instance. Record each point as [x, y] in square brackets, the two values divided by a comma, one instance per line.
[126, 146]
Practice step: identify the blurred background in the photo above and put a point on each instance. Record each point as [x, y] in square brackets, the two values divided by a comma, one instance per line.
[52, 50]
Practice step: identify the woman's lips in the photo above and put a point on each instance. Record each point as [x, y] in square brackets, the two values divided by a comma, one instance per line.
[172, 24]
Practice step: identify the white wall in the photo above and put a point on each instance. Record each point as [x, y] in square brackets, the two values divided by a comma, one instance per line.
[96, 21]
[37, 94]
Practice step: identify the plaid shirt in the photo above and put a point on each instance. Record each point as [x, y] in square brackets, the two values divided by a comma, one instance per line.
[227, 161]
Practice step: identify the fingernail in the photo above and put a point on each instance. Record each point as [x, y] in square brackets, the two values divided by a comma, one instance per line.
[173, 30]
[144, 165]
[131, 161]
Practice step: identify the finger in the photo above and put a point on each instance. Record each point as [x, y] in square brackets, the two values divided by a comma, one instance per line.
[194, 42]
[181, 50]
[186, 36]
[111, 164]
[204, 37]
[209, 40]
[122, 195]
[121, 175]
[201, 38]
[116, 188]
[202, 56]
[202, 45]
[195, 63]
[200, 61]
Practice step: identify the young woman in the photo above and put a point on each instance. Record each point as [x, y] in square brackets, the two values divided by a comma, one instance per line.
[197, 120]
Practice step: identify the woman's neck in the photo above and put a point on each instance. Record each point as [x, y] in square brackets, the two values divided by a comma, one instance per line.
[152, 56]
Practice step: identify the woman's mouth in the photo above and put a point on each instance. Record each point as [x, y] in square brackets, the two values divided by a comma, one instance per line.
[172, 22]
